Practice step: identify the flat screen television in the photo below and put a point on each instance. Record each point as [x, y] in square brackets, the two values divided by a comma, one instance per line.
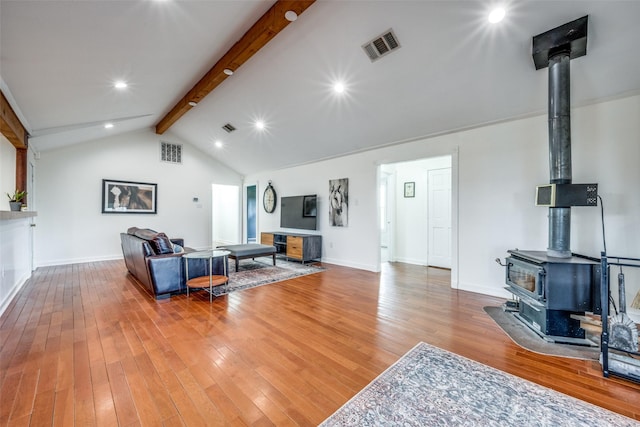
[299, 212]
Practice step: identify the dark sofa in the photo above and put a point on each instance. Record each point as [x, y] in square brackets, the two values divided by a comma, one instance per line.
[152, 259]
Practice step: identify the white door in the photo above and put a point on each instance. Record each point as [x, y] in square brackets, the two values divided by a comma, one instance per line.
[439, 212]
[386, 198]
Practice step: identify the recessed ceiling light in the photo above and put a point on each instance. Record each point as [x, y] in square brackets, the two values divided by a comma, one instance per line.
[193, 103]
[108, 125]
[496, 15]
[338, 87]
[228, 71]
[218, 144]
[120, 85]
[260, 124]
[290, 15]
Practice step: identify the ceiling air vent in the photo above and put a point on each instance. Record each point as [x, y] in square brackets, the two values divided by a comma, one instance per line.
[170, 153]
[229, 127]
[381, 45]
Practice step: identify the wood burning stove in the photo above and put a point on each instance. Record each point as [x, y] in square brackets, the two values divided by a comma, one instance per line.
[553, 285]
[551, 289]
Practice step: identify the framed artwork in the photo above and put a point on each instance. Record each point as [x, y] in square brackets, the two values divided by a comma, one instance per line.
[339, 202]
[129, 197]
[409, 189]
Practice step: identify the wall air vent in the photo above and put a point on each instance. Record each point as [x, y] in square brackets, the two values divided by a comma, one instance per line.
[382, 45]
[171, 153]
[228, 127]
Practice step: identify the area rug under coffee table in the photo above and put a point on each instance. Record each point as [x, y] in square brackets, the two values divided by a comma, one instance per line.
[261, 271]
[429, 386]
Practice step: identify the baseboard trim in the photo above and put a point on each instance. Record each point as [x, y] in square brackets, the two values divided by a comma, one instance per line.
[53, 263]
[484, 290]
[367, 267]
[11, 295]
[412, 261]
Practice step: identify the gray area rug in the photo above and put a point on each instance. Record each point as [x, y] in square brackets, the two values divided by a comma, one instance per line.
[526, 338]
[429, 386]
[261, 271]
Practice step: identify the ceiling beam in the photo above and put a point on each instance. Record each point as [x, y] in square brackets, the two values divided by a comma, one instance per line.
[10, 125]
[265, 29]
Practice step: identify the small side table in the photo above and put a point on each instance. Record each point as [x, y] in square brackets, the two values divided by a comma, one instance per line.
[210, 280]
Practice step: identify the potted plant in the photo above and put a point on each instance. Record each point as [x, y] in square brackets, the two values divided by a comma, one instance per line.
[15, 200]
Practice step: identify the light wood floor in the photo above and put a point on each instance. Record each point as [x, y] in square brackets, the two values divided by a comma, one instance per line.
[83, 345]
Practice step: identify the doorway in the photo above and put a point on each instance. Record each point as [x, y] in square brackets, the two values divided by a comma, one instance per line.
[251, 213]
[415, 202]
[225, 215]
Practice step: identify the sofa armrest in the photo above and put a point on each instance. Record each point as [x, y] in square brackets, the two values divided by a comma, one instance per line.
[167, 273]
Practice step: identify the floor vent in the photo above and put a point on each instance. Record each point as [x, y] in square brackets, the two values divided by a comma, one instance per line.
[171, 153]
[229, 127]
[382, 45]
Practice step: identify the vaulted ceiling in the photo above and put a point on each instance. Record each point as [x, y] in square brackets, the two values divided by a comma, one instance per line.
[453, 70]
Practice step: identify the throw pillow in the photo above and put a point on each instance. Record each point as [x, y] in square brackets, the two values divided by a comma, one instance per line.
[177, 249]
[161, 244]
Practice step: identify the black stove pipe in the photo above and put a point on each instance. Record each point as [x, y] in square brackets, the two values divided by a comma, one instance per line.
[559, 150]
[555, 49]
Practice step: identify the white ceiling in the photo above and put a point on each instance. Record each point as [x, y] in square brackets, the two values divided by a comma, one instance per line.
[59, 59]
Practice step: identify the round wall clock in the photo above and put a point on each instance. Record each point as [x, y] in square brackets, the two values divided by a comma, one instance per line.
[269, 199]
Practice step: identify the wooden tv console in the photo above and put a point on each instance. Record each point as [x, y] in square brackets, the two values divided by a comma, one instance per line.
[301, 247]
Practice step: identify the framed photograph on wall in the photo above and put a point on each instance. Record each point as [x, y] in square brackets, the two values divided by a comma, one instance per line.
[129, 197]
[339, 202]
[409, 189]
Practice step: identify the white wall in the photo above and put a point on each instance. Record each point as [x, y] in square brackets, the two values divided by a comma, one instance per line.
[355, 245]
[496, 169]
[70, 225]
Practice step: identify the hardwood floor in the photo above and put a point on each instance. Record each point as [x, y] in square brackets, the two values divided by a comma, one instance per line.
[84, 345]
